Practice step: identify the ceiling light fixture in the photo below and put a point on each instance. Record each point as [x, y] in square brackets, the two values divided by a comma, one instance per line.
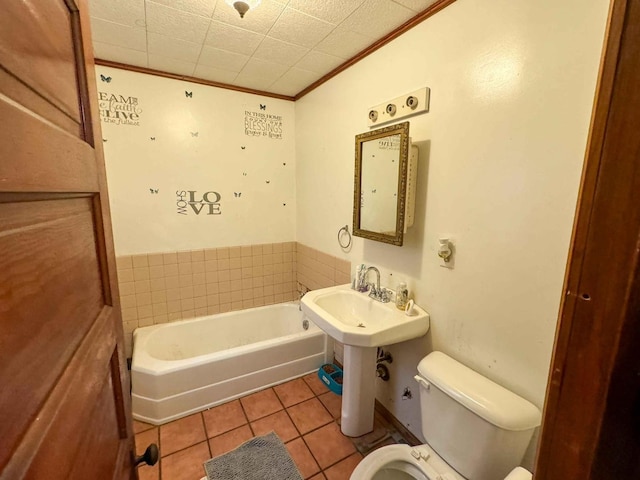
[243, 6]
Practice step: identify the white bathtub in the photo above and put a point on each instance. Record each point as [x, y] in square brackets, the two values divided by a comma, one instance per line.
[185, 367]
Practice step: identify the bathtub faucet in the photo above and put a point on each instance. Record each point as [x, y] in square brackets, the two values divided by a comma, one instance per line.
[375, 290]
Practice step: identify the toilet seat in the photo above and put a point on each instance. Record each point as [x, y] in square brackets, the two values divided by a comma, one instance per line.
[404, 462]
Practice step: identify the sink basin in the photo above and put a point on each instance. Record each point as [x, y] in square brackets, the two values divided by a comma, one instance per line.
[352, 318]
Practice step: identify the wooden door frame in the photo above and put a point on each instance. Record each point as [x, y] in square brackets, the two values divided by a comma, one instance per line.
[593, 392]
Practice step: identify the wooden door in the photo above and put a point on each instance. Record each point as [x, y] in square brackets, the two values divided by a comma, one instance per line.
[591, 426]
[64, 389]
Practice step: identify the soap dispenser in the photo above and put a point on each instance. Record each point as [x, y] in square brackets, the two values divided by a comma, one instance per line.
[402, 296]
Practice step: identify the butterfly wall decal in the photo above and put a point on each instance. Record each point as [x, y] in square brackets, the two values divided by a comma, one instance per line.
[194, 134]
[284, 163]
[284, 204]
[104, 140]
[105, 79]
[374, 190]
[188, 94]
[263, 107]
[244, 174]
[153, 139]
[237, 194]
[154, 190]
[268, 181]
[243, 147]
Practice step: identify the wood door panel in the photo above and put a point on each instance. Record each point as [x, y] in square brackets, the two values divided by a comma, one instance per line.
[50, 294]
[82, 401]
[37, 47]
[31, 100]
[70, 166]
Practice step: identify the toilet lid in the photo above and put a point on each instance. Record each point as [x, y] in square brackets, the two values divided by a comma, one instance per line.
[404, 462]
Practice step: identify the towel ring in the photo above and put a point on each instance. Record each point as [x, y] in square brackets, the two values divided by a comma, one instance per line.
[346, 230]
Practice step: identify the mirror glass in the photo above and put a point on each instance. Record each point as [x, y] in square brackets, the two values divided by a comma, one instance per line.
[380, 183]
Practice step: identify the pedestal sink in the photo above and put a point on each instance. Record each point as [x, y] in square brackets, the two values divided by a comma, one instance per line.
[361, 324]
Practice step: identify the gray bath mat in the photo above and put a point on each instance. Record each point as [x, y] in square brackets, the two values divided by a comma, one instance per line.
[261, 458]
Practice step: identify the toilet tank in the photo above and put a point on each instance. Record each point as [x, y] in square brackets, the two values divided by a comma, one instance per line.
[478, 427]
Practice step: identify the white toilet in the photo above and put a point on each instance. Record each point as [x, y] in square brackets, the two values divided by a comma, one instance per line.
[475, 430]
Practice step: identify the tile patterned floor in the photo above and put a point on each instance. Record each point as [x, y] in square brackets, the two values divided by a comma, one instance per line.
[302, 412]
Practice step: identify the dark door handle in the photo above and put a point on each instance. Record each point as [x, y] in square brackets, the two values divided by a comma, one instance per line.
[150, 456]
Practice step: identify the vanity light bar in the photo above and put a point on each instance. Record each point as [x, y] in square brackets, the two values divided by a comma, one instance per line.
[410, 104]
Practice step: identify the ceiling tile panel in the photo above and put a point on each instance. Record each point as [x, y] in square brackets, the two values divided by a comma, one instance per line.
[233, 39]
[300, 29]
[257, 20]
[120, 54]
[125, 12]
[176, 23]
[118, 34]
[343, 43]
[332, 11]
[214, 74]
[293, 81]
[257, 83]
[278, 51]
[261, 68]
[376, 18]
[416, 5]
[158, 62]
[222, 59]
[319, 62]
[203, 8]
[173, 48]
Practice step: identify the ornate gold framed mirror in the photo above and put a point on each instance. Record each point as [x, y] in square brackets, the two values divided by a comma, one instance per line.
[381, 183]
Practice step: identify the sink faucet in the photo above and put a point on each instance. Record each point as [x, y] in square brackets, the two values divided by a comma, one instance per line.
[376, 292]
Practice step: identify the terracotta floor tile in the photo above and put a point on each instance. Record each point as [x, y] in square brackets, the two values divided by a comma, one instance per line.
[261, 404]
[145, 472]
[145, 438]
[223, 418]
[186, 464]
[319, 476]
[344, 469]
[328, 445]
[228, 441]
[309, 415]
[333, 403]
[278, 422]
[315, 384]
[141, 426]
[181, 434]
[293, 392]
[302, 458]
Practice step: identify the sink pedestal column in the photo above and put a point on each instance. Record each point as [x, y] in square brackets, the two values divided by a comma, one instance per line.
[358, 390]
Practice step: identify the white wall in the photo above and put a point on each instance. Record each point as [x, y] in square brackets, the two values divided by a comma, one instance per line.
[501, 150]
[178, 160]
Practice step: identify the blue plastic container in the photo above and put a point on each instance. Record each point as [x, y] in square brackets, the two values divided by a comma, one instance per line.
[330, 374]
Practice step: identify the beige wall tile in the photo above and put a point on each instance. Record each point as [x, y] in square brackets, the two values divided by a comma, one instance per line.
[256, 250]
[156, 271]
[173, 294]
[128, 301]
[129, 314]
[199, 278]
[170, 258]
[143, 286]
[143, 299]
[184, 257]
[186, 292]
[158, 319]
[140, 261]
[155, 259]
[145, 322]
[235, 274]
[213, 300]
[246, 251]
[185, 268]
[141, 273]
[124, 262]
[235, 263]
[211, 265]
[144, 311]
[174, 306]
[175, 316]
[159, 309]
[235, 252]
[224, 264]
[127, 288]
[197, 255]
[267, 249]
[213, 309]
[159, 297]
[199, 290]
[157, 284]
[213, 288]
[187, 304]
[186, 280]
[201, 312]
[171, 270]
[210, 254]
[197, 267]
[222, 253]
[125, 275]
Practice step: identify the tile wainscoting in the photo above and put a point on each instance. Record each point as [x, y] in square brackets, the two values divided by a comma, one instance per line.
[165, 287]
